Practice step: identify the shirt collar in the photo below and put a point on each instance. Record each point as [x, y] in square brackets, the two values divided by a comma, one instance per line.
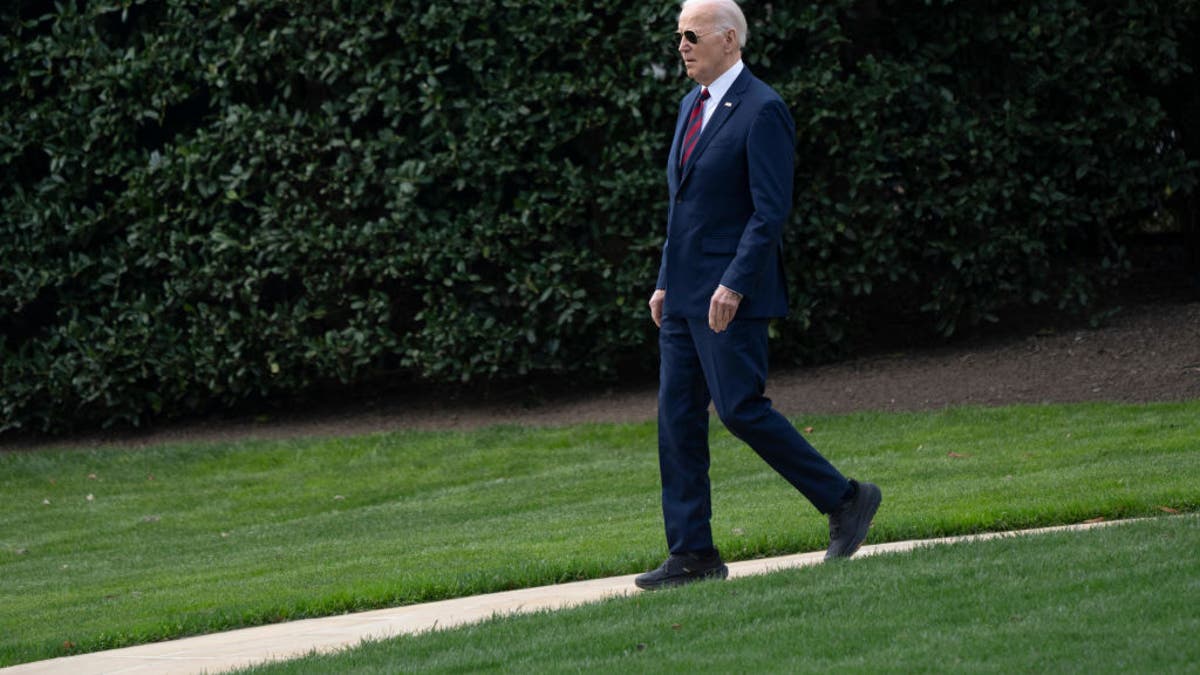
[721, 85]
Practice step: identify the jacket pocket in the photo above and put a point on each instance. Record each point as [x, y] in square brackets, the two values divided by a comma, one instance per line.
[720, 245]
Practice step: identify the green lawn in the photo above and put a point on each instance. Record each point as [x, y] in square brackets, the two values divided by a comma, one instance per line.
[185, 539]
[1120, 599]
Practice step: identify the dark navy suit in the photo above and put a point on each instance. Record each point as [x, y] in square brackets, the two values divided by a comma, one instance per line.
[728, 206]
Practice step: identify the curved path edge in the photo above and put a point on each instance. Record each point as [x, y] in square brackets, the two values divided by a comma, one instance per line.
[218, 652]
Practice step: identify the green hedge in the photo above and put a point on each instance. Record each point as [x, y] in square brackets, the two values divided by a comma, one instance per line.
[210, 203]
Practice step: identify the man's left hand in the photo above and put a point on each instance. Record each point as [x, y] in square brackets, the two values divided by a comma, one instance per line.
[722, 307]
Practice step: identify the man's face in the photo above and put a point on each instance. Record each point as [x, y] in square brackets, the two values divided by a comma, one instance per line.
[705, 60]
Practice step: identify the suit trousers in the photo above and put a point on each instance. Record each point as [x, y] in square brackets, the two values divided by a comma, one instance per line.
[730, 370]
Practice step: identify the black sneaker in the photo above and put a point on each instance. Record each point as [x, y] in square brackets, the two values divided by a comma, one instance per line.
[849, 524]
[683, 569]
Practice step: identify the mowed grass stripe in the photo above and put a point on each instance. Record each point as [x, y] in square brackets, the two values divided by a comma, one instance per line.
[188, 539]
[1115, 599]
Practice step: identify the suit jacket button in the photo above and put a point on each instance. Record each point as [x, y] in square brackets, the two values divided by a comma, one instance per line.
[679, 200]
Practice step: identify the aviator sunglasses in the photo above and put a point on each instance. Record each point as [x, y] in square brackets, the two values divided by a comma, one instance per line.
[692, 36]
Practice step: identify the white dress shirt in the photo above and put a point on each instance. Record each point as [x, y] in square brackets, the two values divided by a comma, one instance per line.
[718, 89]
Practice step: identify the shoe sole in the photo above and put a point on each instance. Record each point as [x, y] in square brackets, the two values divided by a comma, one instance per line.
[874, 498]
[714, 574]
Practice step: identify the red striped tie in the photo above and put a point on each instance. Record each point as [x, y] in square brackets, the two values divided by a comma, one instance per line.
[695, 122]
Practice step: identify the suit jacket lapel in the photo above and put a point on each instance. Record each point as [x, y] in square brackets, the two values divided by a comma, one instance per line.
[725, 108]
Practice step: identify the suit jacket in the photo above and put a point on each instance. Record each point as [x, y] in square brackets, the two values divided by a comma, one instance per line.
[729, 203]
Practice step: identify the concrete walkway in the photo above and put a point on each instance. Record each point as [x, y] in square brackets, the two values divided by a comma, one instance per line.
[250, 646]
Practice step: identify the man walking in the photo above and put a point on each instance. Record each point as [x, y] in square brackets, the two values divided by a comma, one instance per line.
[720, 282]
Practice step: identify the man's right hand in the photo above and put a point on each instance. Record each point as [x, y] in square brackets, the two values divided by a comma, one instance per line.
[656, 306]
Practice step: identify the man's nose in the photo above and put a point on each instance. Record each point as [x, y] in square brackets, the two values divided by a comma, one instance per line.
[684, 45]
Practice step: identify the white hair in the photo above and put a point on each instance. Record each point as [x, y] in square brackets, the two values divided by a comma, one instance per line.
[727, 14]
